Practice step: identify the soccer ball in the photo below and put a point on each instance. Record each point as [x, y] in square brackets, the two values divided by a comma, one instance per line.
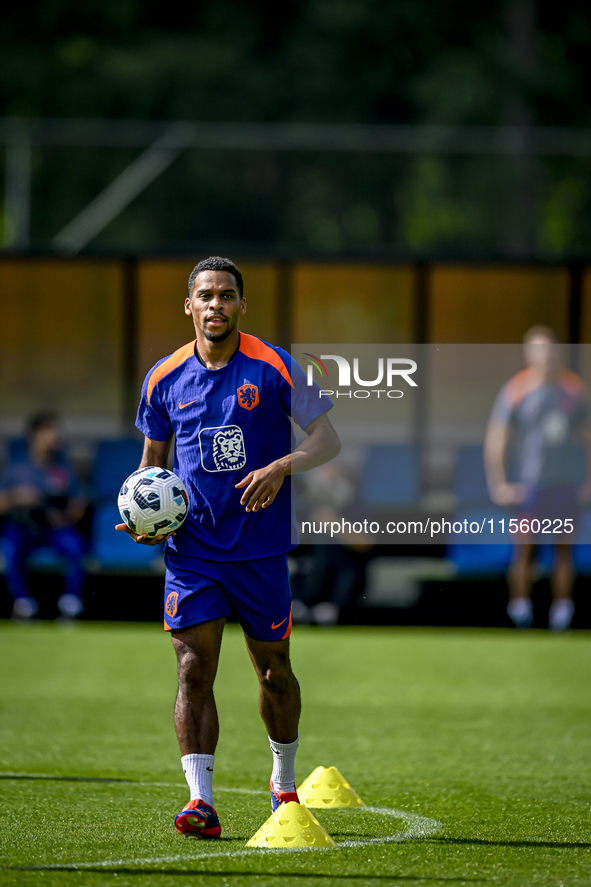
[153, 501]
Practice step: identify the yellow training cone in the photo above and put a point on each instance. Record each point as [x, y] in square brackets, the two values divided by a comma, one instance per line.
[292, 825]
[326, 787]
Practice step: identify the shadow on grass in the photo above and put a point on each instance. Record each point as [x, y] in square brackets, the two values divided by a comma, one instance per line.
[183, 872]
[66, 778]
[348, 836]
[560, 845]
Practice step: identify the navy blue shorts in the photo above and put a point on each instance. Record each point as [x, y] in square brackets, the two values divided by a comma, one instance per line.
[257, 592]
[551, 507]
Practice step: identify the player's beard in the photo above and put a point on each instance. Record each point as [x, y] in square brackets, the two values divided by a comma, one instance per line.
[217, 337]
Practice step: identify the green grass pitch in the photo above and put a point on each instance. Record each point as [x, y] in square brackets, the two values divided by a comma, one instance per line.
[478, 743]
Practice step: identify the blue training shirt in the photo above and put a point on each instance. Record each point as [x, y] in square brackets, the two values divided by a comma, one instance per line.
[549, 421]
[228, 422]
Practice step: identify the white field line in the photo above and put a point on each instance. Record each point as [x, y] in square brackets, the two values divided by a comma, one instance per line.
[216, 788]
[418, 827]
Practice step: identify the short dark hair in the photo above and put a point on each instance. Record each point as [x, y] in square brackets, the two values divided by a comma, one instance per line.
[45, 419]
[543, 332]
[217, 263]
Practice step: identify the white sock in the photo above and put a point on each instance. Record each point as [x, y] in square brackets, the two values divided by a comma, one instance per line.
[520, 611]
[561, 614]
[198, 771]
[283, 776]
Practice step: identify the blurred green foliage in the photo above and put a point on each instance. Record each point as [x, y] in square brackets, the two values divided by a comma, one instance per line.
[520, 62]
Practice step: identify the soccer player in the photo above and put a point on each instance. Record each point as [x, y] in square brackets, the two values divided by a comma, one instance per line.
[541, 419]
[227, 397]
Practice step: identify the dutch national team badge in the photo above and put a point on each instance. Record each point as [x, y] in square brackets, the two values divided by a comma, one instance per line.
[248, 396]
[171, 604]
[222, 448]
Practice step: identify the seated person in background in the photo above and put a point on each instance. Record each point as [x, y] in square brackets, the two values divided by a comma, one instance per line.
[40, 499]
[541, 417]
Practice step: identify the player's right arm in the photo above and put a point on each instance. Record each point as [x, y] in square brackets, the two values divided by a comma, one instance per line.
[496, 447]
[155, 453]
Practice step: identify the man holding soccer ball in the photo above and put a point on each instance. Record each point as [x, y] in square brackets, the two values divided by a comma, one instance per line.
[227, 397]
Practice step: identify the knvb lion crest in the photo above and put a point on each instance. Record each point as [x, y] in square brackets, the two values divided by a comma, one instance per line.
[222, 448]
[228, 449]
[248, 396]
[171, 604]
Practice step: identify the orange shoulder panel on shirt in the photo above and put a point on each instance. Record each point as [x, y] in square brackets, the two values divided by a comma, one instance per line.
[521, 384]
[170, 364]
[573, 383]
[253, 347]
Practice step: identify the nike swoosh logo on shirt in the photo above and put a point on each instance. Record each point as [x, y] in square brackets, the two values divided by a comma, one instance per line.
[183, 405]
[273, 626]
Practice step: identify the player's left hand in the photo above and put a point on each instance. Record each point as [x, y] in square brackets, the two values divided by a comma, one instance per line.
[142, 538]
[262, 486]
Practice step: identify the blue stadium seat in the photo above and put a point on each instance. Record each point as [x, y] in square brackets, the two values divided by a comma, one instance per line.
[114, 461]
[479, 559]
[470, 489]
[45, 559]
[114, 550]
[17, 450]
[582, 546]
[469, 479]
[42, 559]
[390, 476]
[111, 550]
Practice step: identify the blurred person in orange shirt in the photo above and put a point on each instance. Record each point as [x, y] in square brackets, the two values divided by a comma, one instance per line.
[537, 441]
